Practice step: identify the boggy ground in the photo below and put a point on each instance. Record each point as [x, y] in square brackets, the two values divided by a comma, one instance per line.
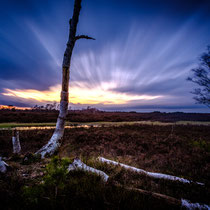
[180, 150]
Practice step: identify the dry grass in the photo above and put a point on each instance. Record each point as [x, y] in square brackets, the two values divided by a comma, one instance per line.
[180, 150]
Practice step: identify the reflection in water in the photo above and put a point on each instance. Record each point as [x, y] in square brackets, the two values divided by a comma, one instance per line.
[49, 127]
[108, 124]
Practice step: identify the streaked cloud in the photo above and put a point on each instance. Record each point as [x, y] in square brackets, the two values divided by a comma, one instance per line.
[80, 95]
[142, 55]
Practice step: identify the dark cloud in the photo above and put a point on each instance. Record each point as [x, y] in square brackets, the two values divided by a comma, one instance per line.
[144, 47]
[6, 100]
[162, 87]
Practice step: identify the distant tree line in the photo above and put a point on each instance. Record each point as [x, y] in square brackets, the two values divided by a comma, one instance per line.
[53, 106]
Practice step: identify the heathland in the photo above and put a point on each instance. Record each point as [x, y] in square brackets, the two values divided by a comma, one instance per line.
[171, 143]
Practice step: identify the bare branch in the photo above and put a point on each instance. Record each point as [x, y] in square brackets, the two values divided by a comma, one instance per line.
[53, 144]
[201, 77]
[83, 37]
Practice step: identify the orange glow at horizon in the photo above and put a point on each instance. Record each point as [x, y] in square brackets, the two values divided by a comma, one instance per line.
[82, 95]
[14, 107]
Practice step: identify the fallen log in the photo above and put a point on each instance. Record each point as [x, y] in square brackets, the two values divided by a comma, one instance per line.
[79, 165]
[170, 200]
[150, 174]
[3, 166]
[166, 198]
[188, 205]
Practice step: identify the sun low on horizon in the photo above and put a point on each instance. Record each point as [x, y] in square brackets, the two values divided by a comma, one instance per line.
[78, 95]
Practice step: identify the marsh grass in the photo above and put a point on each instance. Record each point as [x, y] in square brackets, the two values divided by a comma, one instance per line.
[99, 123]
[128, 178]
[11, 125]
[77, 116]
[201, 144]
[82, 190]
[181, 150]
[58, 189]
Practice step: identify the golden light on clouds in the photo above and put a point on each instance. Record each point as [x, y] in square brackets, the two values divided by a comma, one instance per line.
[79, 94]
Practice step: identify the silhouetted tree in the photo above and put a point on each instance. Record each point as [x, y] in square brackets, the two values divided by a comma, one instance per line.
[201, 77]
[55, 141]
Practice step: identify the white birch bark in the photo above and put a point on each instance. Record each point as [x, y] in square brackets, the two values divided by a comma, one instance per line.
[16, 142]
[150, 174]
[54, 142]
[3, 166]
[57, 136]
[78, 164]
[193, 206]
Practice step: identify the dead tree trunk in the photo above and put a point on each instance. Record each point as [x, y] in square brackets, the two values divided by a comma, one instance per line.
[16, 142]
[55, 141]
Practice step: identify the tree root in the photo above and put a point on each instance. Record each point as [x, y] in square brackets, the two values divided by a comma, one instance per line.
[51, 147]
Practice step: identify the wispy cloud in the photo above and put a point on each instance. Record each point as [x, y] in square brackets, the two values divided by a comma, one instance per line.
[144, 61]
[80, 95]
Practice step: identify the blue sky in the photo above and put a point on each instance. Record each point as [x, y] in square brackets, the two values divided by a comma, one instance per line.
[140, 60]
